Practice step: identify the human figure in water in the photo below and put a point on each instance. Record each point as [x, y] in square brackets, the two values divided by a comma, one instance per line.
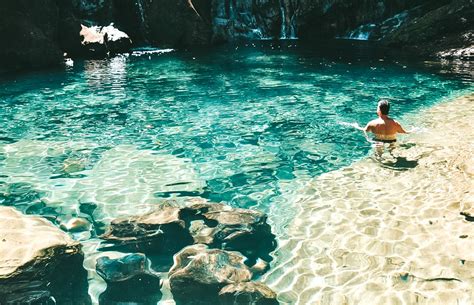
[385, 129]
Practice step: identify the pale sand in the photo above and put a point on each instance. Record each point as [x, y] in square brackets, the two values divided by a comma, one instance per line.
[366, 234]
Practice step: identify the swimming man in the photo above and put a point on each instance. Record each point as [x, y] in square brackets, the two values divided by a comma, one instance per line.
[384, 128]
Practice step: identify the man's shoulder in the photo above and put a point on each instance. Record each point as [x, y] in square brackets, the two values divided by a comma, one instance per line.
[373, 122]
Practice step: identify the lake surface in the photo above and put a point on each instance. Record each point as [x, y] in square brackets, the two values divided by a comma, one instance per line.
[230, 125]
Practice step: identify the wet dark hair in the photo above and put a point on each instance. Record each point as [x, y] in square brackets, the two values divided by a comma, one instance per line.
[384, 107]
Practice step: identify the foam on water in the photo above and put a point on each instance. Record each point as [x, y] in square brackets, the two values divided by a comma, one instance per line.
[370, 235]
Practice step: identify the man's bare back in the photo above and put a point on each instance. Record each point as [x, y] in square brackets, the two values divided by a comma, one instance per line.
[384, 128]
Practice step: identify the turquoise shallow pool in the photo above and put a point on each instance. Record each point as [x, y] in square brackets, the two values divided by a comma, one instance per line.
[244, 118]
[242, 125]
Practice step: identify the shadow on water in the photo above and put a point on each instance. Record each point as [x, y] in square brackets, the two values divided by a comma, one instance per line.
[388, 156]
[400, 164]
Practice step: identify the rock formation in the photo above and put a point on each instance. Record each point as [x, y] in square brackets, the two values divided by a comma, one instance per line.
[161, 231]
[446, 31]
[38, 262]
[169, 229]
[103, 41]
[230, 246]
[200, 273]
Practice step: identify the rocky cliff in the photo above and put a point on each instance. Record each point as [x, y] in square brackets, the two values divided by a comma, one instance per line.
[446, 31]
[38, 33]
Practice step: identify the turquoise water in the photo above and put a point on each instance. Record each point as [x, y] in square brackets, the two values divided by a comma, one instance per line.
[246, 118]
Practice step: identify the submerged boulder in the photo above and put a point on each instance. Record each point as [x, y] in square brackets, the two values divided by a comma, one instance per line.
[199, 273]
[128, 278]
[221, 226]
[169, 229]
[161, 231]
[39, 262]
[246, 293]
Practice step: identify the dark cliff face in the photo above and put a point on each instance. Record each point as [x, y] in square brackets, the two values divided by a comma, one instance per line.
[36, 33]
[447, 27]
[245, 19]
[29, 31]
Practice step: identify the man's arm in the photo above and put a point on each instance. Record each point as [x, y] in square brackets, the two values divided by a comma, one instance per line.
[368, 127]
[400, 128]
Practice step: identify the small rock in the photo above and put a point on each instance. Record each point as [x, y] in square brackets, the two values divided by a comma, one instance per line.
[76, 224]
[71, 166]
[260, 267]
[253, 293]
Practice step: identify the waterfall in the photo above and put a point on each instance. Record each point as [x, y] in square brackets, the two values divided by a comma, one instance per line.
[141, 11]
[288, 27]
[143, 27]
[362, 32]
[374, 31]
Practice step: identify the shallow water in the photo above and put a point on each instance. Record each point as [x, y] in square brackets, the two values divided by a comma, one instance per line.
[367, 234]
[247, 125]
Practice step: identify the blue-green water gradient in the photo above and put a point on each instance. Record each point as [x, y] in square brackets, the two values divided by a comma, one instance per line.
[248, 117]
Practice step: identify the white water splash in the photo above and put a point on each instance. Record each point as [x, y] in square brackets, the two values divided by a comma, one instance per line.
[354, 125]
[150, 51]
[362, 32]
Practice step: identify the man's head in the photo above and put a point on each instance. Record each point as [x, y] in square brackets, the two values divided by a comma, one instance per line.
[383, 107]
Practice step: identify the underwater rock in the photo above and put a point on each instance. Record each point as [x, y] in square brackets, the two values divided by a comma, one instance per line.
[221, 226]
[37, 261]
[254, 293]
[199, 273]
[76, 224]
[161, 231]
[260, 267]
[128, 275]
[169, 229]
[102, 41]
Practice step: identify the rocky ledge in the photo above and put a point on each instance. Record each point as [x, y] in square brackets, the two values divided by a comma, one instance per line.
[37, 261]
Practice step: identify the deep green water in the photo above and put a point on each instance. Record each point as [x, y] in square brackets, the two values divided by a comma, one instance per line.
[246, 117]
